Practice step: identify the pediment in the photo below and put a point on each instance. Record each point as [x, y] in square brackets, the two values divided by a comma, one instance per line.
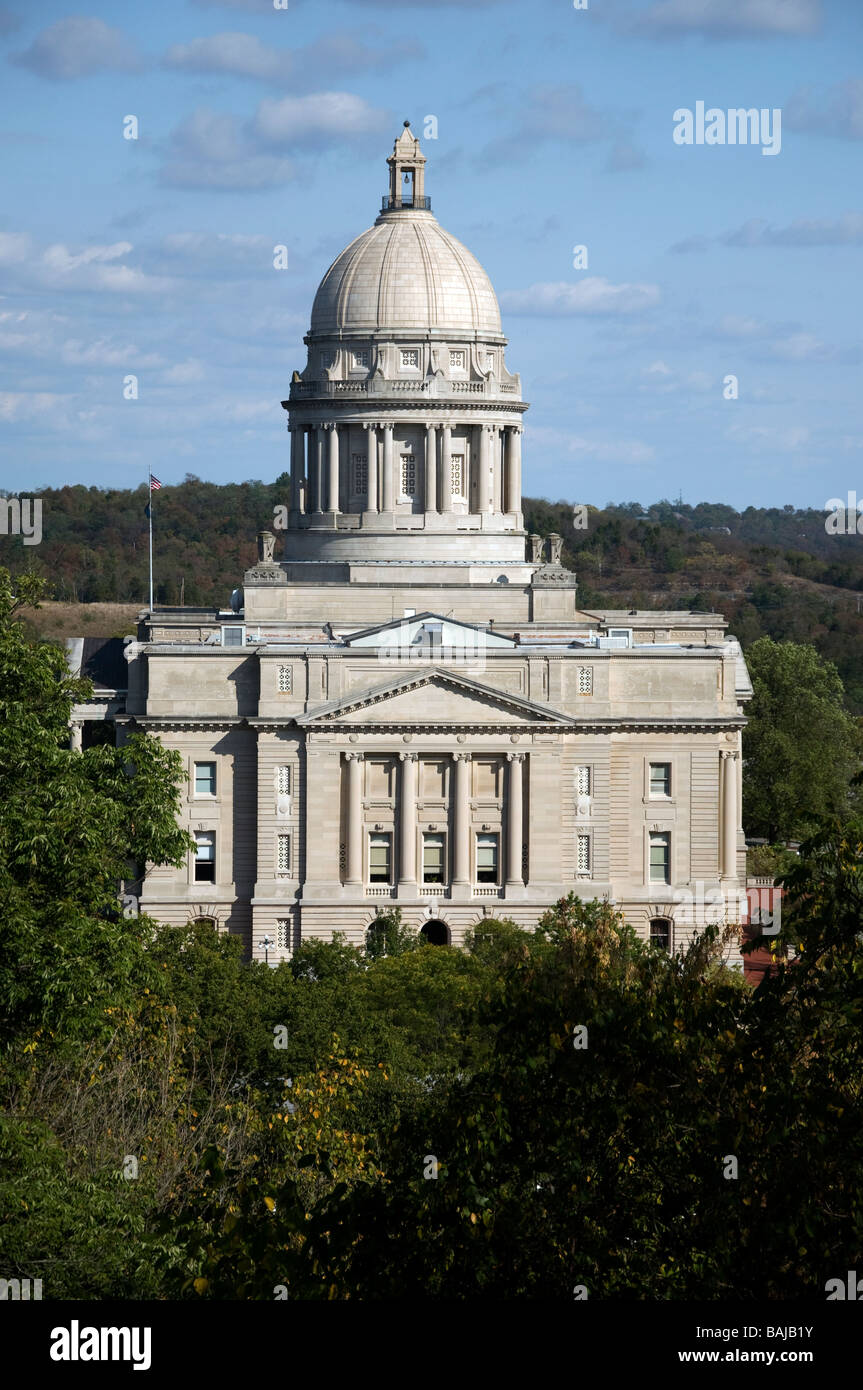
[434, 697]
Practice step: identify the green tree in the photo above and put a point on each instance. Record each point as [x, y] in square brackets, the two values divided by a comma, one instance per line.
[801, 747]
[70, 823]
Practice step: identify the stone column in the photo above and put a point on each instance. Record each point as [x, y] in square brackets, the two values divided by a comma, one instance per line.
[729, 815]
[512, 502]
[496, 469]
[461, 820]
[354, 865]
[333, 480]
[408, 819]
[431, 504]
[446, 468]
[372, 456]
[320, 447]
[388, 501]
[514, 820]
[483, 489]
[298, 451]
[76, 736]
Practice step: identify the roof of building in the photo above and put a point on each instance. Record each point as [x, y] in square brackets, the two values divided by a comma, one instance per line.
[99, 659]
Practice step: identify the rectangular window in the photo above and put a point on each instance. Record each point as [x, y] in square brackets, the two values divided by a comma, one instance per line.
[660, 857]
[660, 779]
[619, 637]
[380, 858]
[583, 854]
[361, 357]
[487, 858]
[456, 359]
[457, 475]
[283, 854]
[434, 862]
[489, 361]
[660, 934]
[233, 636]
[205, 856]
[585, 680]
[361, 473]
[286, 680]
[327, 361]
[410, 357]
[283, 781]
[582, 781]
[409, 475]
[283, 934]
[205, 779]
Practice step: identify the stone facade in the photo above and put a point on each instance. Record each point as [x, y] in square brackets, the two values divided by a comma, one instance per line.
[409, 708]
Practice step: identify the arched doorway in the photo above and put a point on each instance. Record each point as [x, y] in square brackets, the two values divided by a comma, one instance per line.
[436, 933]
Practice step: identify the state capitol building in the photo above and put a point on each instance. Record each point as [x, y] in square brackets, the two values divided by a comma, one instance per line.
[405, 705]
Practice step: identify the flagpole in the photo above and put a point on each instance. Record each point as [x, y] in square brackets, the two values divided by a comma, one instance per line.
[150, 516]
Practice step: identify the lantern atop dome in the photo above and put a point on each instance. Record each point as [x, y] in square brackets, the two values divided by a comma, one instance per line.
[407, 175]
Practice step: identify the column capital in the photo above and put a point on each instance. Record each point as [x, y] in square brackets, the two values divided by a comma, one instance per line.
[461, 757]
[354, 757]
[515, 757]
[407, 757]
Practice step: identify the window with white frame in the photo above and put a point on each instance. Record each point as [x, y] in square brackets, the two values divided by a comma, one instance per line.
[360, 464]
[585, 680]
[660, 779]
[457, 475]
[434, 858]
[660, 856]
[487, 858]
[456, 359]
[205, 856]
[409, 475]
[380, 858]
[283, 854]
[286, 680]
[582, 781]
[205, 779]
[410, 357]
[361, 357]
[583, 854]
[283, 934]
[283, 781]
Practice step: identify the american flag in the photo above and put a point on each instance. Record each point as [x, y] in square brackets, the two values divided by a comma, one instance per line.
[154, 483]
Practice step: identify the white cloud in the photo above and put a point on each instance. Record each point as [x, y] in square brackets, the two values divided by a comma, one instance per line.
[729, 19]
[241, 55]
[78, 47]
[769, 438]
[846, 230]
[184, 373]
[91, 268]
[28, 405]
[545, 441]
[839, 112]
[317, 118]
[593, 295]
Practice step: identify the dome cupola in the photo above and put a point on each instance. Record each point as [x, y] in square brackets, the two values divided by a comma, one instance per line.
[405, 421]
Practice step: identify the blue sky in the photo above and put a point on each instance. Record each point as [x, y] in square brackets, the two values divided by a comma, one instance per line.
[259, 127]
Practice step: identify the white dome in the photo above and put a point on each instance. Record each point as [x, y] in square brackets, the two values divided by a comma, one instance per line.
[405, 275]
